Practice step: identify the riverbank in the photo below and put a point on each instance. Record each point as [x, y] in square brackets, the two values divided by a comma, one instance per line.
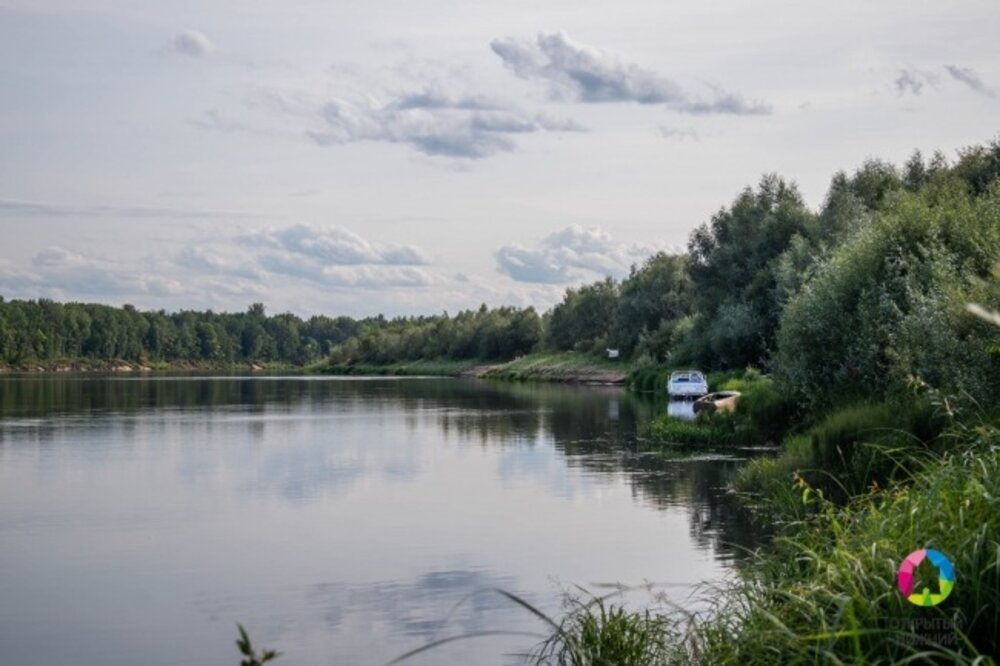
[855, 488]
[561, 367]
[434, 368]
[564, 367]
[70, 366]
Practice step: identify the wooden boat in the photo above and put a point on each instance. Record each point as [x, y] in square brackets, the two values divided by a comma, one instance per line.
[721, 401]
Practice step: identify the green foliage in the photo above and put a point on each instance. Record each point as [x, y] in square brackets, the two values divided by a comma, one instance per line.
[847, 452]
[251, 656]
[890, 303]
[484, 334]
[733, 272]
[874, 182]
[765, 485]
[36, 331]
[826, 591]
[872, 443]
[597, 632]
[420, 367]
[766, 410]
[583, 320]
[650, 300]
[42, 330]
[707, 431]
[979, 167]
[559, 367]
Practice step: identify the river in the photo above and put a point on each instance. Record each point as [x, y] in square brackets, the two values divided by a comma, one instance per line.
[342, 521]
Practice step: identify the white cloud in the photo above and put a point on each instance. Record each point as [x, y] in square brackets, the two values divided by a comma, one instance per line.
[571, 254]
[336, 257]
[334, 246]
[61, 273]
[579, 73]
[301, 259]
[193, 43]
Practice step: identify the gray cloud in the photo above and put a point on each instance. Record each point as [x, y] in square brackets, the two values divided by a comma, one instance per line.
[434, 123]
[569, 255]
[969, 77]
[374, 277]
[14, 208]
[214, 120]
[193, 43]
[578, 73]
[213, 262]
[679, 134]
[911, 81]
[432, 99]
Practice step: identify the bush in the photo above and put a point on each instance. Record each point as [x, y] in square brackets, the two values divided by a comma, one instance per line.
[706, 431]
[596, 631]
[768, 411]
[890, 303]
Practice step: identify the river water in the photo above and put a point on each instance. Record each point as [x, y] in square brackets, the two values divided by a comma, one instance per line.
[342, 521]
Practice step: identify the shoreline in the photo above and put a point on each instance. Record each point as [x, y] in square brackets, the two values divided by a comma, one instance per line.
[563, 368]
[114, 366]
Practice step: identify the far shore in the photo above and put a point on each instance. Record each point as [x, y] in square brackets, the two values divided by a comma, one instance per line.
[564, 367]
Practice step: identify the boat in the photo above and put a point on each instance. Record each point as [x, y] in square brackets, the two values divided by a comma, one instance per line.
[721, 401]
[687, 384]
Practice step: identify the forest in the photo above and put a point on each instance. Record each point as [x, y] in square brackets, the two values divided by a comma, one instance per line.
[866, 291]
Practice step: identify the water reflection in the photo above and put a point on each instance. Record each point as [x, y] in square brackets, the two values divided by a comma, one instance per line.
[681, 409]
[344, 518]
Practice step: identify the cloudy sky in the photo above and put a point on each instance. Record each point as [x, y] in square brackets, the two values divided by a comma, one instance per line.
[354, 157]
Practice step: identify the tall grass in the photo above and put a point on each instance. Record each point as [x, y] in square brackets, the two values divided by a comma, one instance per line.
[565, 366]
[825, 593]
[597, 631]
[716, 430]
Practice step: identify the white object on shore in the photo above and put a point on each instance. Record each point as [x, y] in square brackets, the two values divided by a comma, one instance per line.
[687, 384]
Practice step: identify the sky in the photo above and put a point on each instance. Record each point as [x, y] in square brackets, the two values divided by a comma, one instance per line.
[363, 157]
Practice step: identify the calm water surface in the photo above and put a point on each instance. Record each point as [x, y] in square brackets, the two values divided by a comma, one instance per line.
[342, 521]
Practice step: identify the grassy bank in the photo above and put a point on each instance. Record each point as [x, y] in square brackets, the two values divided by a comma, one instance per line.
[825, 591]
[763, 415]
[441, 367]
[855, 489]
[571, 367]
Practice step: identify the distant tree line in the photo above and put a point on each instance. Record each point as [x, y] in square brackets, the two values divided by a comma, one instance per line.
[870, 289]
[44, 330]
[40, 330]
